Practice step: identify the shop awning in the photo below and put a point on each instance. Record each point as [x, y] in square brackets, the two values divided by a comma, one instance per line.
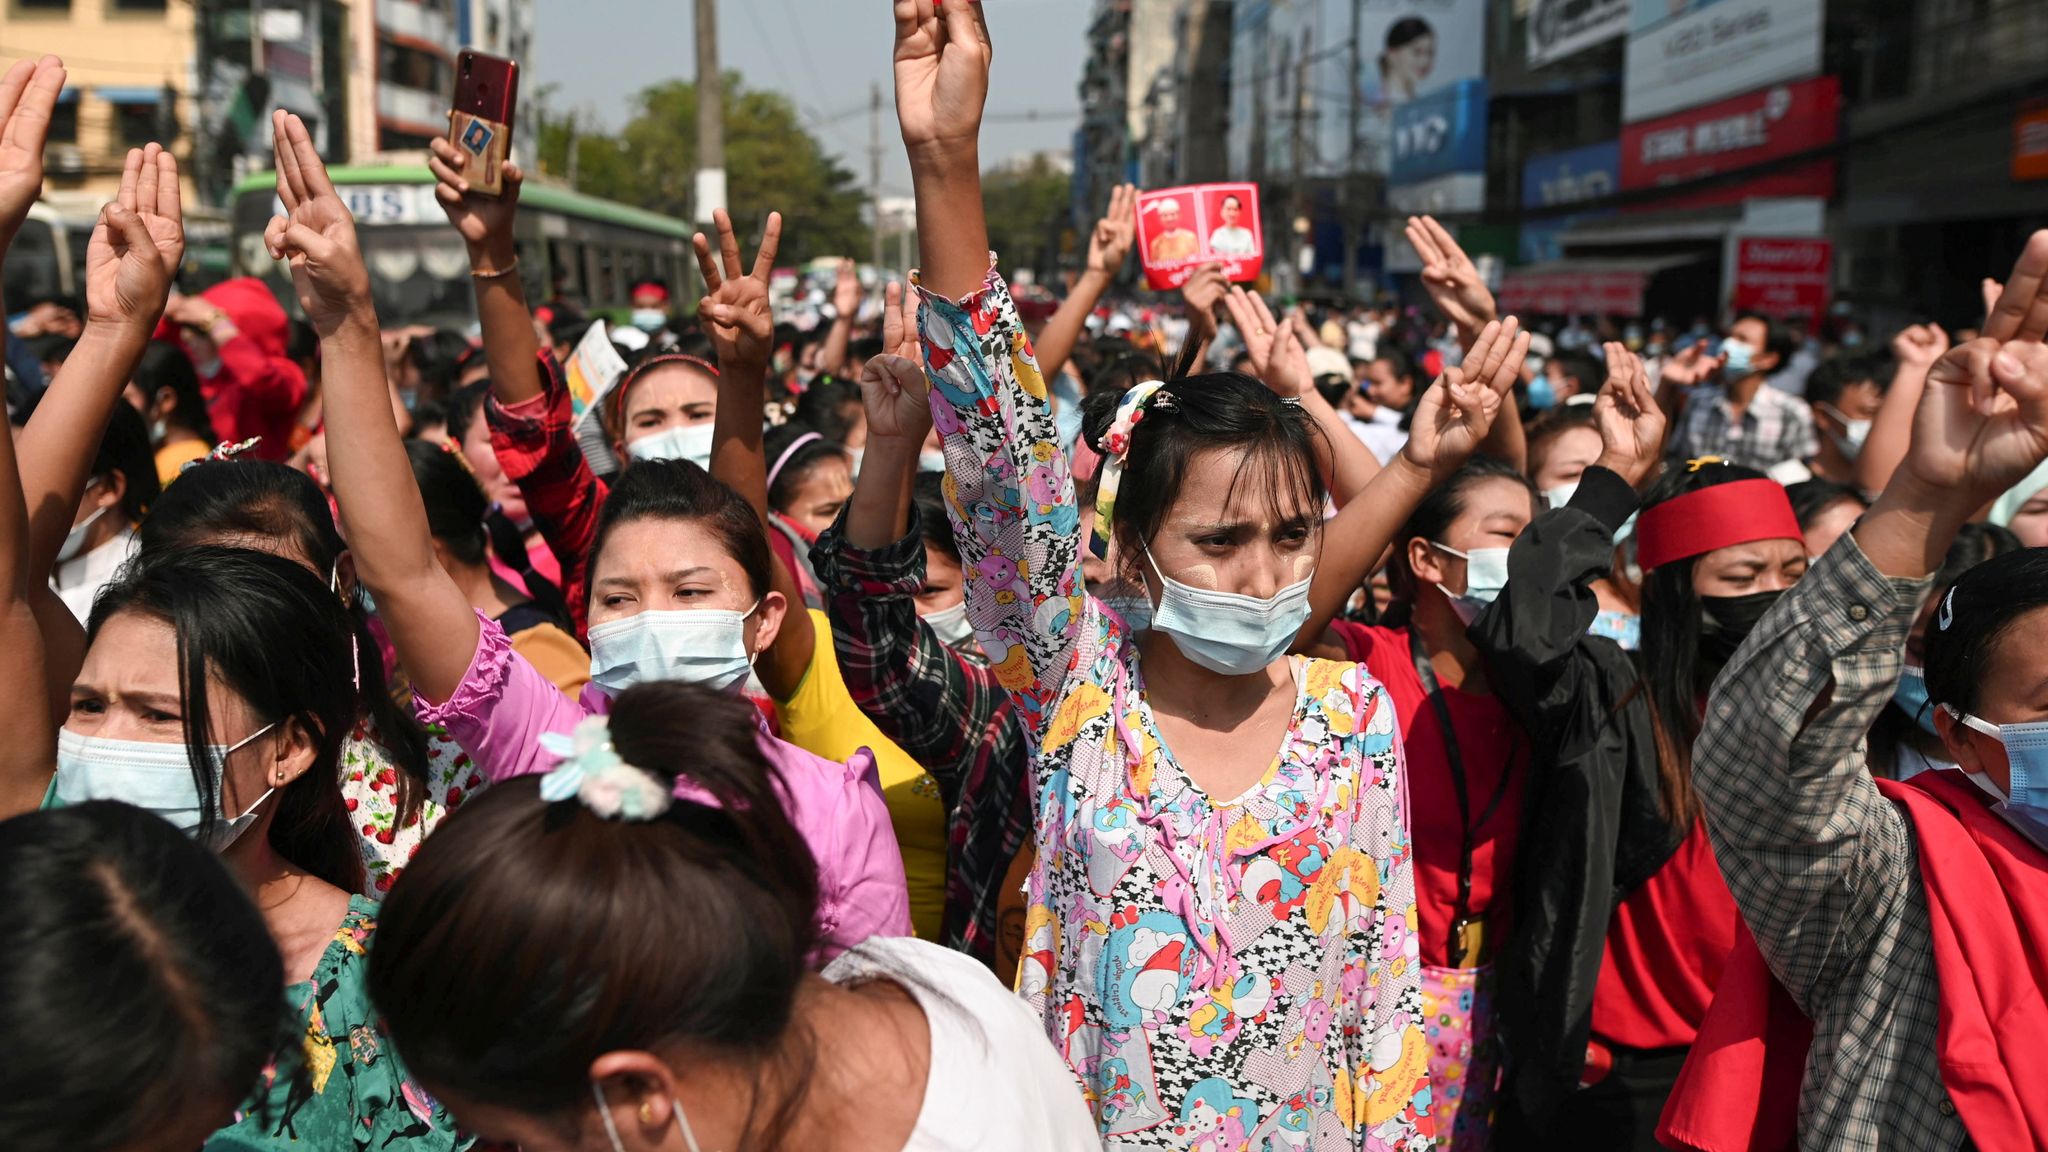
[1596, 286]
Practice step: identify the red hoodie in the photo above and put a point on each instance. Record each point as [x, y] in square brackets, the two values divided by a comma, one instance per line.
[257, 390]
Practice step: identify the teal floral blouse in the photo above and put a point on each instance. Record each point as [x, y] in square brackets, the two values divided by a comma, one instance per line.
[343, 1087]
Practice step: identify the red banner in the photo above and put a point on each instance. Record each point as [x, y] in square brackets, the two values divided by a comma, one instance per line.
[1584, 292]
[1741, 132]
[1781, 277]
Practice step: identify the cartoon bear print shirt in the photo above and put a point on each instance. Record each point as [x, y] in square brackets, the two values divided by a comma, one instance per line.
[1220, 975]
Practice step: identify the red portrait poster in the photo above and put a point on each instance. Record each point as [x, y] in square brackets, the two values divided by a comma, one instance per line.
[1181, 229]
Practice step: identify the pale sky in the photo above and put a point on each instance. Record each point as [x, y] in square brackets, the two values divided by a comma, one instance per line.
[824, 54]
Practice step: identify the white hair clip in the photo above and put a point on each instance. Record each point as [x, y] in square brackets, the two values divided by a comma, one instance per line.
[1947, 615]
[589, 769]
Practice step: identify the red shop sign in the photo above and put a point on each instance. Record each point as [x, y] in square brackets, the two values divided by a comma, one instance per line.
[1740, 132]
[1781, 277]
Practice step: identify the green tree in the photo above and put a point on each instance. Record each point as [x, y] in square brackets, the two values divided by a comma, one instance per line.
[1030, 223]
[772, 164]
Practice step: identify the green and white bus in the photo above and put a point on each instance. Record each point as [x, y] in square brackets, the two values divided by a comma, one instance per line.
[572, 247]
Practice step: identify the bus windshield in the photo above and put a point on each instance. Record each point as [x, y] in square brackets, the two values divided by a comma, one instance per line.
[418, 266]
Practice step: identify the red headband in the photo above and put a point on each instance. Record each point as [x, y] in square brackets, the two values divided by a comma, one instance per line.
[1740, 512]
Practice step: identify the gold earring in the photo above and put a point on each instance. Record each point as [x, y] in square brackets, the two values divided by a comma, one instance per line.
[647, 1112]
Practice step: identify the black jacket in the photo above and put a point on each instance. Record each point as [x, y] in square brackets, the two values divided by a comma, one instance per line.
[1591, 826]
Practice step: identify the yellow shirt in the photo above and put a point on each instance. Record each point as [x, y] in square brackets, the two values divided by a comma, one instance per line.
[821, 718]
[172, 458]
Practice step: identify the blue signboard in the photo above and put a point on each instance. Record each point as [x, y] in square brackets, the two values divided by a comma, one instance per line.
[1440, 133]
[1557, 179]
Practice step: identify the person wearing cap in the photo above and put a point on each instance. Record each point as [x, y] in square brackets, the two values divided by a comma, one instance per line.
[1625, 922]
[1172, 243]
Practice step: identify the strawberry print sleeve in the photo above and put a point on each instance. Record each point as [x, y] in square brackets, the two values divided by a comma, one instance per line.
[1008, 490]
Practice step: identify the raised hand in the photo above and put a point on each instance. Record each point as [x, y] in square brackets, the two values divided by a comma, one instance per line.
[1454, 415]
[846, 292]
[485, 222]
[1982, 424]
[316, 236]
[942, 60]
[1450, 276]
[137, 245]
[28, 98]
[1278, 357]
[893, 388]
[736, 314]
[1203, 291]
[1922, 344]
[1114, 234]
[1631, 423]
[1690, 366]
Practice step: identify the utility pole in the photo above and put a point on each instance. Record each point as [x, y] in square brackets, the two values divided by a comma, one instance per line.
[875, 167]
[710, 115]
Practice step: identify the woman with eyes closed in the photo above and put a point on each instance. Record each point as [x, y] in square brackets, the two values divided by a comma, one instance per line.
[679, 585]
[1219, 924]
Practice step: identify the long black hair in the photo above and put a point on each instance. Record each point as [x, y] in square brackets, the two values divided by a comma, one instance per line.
[136, 979]
[269, 631]
[124, 448]
[1216, 411]
[272, 508]
[528, 938]
[460, 516]
[1670, 653]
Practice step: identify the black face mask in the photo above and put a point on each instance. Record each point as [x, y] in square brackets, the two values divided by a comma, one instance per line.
[1726, 621]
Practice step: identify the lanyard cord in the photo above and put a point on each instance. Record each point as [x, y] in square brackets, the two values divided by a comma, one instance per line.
[1461, 911]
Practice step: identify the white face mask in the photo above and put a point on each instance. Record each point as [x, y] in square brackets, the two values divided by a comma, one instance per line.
[649, 320]
[1854, 432]
[153, 776]
[690, 442]
[951, 626]
[1229, 633]
[74, 540]
[1486, 573]
[706, 646]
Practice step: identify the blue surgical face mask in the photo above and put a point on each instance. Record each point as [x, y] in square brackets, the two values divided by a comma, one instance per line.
[1541, 394]
[2026, 757]
[1561, 495]
[156, 777]
[1911, 697]
[649, 320]
[1740, 359]
[1486, 573]
[1624, 628]
[706, 646]
[1229, 633]
[690, 442]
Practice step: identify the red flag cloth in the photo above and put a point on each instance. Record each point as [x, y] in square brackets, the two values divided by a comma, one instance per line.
[1987, 903]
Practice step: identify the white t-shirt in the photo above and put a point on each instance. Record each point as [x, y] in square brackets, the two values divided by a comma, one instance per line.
[996, 1083]
[1382, 434]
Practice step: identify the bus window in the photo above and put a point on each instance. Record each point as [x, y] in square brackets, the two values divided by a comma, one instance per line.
[605, 292]
[565, 267]
[31, 273]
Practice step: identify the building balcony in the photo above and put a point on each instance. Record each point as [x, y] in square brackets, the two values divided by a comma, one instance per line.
[406, 18]
[409, 106]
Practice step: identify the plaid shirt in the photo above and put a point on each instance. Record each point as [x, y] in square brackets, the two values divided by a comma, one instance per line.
[1824, 868]
[1776, 427]
[536, 446]
[946, 711]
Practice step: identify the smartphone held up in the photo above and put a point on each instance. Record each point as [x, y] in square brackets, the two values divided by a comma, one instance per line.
[480, 119]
